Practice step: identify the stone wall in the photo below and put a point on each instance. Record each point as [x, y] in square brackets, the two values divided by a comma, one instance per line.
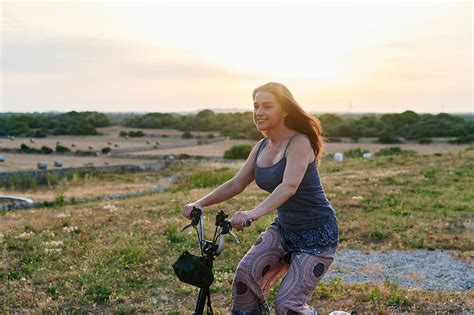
[6, 178]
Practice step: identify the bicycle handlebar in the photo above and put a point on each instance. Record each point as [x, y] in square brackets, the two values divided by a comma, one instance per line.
[223, 226]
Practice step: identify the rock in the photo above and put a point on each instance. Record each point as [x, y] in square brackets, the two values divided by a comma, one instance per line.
[338, 156]
[42, 165]
[58, 163]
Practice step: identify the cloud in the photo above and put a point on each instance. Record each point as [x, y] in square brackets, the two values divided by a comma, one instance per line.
[41, 55]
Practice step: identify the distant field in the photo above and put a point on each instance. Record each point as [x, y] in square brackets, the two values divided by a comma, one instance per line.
[90, 186]
[110, 139]
[146, 147]
[218, 149]
[213, 149]
[96, 142]
[116, 256]
[374, 147]
[15, 162]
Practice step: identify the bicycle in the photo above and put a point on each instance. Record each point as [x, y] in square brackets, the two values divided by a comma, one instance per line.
[197, 270]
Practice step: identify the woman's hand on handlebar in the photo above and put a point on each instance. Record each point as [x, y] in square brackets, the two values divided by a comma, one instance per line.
[189, 207]
[239, 219]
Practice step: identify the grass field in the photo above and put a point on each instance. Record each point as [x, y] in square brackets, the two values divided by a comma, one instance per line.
[146, 147]
[116, 256]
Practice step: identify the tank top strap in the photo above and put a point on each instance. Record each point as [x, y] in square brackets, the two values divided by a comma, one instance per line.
[260, 148]
[288, 144]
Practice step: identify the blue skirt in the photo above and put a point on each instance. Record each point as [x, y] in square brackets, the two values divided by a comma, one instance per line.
[321, 241]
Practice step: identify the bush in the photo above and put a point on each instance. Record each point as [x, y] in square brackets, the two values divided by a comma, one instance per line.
[394, 151]
[388, 138]
[62, 149]
[187, 135]
[355, 153]
[462, 140]
[46, 150]
[425, 141]
[333, 139]
[26, 149]
[106, 150]
[238, 152]
[123, 134]
[136, 134]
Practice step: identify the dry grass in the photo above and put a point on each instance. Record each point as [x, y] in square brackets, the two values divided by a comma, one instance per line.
[213, 149]
[16, 162]
[90, 186]
[119, 258]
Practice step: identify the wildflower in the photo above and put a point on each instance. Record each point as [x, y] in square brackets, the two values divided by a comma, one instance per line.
[358, 197]
[110, 207]
[70, 229]
[25, 234]
[52, 243]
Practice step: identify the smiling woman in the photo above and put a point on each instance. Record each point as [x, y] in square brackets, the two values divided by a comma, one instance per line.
[302, 240]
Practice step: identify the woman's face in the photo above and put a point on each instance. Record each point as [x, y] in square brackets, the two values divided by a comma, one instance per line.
[267, 112]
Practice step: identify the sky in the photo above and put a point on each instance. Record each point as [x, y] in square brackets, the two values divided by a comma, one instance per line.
[157, 56]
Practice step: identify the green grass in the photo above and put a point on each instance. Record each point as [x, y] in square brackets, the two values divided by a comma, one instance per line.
[116, 256]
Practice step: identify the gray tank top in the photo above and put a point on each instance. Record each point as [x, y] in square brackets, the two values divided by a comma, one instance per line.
[308, 208]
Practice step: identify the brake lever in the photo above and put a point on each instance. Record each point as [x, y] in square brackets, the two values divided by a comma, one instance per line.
[236, 239]
[186, 227]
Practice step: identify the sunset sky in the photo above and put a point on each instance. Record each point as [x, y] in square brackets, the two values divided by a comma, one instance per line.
[149, 56]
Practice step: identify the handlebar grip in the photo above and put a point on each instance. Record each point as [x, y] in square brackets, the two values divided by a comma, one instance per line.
[248, 222]
[195, 215]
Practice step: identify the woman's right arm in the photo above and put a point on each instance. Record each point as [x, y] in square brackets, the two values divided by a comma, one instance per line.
[230, 188]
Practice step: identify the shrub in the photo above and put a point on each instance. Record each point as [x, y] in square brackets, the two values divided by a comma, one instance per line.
[238, 152]
[26, 149]
[136, 134]
[387, 137]
[394, 151]
[333, 139]
[46, 150]
[187, 135]
[123, 133]
[425, 141]
[106, 150]
[462, 140]
[355, 153]
[62, 149]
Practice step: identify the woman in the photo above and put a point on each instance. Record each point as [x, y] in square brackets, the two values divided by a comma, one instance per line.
[302, 240]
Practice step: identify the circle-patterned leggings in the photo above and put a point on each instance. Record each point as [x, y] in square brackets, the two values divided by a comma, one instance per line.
[263, 265]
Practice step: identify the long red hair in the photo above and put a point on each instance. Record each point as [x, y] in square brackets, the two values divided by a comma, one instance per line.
[297, 119]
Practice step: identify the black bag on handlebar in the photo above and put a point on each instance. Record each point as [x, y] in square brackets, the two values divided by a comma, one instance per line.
[193, 270]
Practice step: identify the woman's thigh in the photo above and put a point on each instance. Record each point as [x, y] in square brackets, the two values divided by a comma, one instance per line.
[299, 283]
[261, 267]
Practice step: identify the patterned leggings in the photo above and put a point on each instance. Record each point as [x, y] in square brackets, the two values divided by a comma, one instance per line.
[263, 265]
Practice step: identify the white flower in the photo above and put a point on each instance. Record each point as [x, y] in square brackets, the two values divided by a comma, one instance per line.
[52, 243]
[358, 197]
[70, 229]
[110, 207]
[54, 250]
[25, 234]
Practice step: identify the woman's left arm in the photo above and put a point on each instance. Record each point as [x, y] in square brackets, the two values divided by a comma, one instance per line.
[298, 156]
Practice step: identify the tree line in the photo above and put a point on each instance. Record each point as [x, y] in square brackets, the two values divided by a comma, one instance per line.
[39, 125]
[387, 128]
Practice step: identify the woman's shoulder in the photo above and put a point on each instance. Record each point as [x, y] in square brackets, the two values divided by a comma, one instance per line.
[300, 145]
[301, 139]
